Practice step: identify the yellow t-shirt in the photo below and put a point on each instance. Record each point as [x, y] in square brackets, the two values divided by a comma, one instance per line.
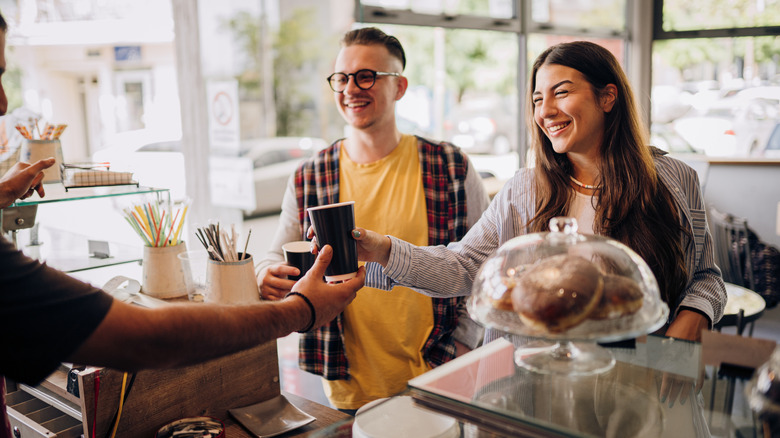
[384, 332]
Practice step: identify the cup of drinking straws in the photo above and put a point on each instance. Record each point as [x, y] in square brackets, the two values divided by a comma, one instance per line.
[42, 143]
[160, 227]
[230, 272]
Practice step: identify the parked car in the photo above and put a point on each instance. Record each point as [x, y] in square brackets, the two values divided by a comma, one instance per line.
[733, 126]
[274, 160]
[772, 149]
[663, 136]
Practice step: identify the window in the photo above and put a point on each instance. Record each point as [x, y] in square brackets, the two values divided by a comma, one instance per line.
[716, 75]
[701, 15]
[468, 62]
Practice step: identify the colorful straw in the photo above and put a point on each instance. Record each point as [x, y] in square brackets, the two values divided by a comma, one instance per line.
[150, 221]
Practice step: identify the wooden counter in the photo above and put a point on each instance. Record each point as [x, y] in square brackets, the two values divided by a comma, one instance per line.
[324, 415]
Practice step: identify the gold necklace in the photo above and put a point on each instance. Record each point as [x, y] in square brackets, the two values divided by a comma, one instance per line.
[584, 186]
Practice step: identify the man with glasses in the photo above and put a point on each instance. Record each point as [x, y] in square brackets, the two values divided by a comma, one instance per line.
[427, 192]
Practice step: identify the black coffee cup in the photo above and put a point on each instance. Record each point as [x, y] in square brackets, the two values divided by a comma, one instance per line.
[333, 225]
[298, 254]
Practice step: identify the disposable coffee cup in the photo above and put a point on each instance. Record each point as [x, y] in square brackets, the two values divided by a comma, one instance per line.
[333, 225]
[298, 254]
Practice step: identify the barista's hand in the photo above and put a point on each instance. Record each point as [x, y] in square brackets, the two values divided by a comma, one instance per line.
[688, 325]
[372, 246]
[328, 299]
[272, 280]
[22, 180]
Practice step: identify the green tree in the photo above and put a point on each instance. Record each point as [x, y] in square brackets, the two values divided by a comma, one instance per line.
[297, 48]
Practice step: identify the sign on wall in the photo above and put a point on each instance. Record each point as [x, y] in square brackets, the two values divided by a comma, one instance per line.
[224, 128]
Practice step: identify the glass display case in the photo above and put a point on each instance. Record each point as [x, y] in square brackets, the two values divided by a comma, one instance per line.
[658, 387]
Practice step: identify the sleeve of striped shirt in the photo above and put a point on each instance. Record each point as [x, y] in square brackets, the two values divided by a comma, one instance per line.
[705, 291]
[447, 271]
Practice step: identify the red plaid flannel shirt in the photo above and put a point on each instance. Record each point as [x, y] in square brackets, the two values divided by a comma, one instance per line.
[321, 351]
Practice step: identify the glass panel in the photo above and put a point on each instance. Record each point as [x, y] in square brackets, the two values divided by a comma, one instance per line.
[481, 8]
[462, 87]
[709, 14]
[79, 10]
[609, 14]
[537, 43]
[718, 97]
[133, 106]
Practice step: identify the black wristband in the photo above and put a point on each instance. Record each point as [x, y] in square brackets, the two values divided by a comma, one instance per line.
[311, 308]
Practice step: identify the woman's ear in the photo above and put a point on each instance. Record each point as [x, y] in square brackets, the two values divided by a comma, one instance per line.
[608, 97]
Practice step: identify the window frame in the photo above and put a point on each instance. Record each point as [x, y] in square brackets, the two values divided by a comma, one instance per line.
[660, 34]
[638, 36]
[520, 24]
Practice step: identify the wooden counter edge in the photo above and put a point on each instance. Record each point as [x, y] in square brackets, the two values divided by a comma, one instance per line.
[325, 416]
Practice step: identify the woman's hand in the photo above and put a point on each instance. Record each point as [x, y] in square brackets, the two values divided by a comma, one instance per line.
[688, 325]
[372, 246]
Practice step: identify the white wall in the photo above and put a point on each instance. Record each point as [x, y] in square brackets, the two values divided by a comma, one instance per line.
[746, 189]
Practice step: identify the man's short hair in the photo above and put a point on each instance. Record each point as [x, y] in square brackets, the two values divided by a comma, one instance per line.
[367, 36]
[3, 24]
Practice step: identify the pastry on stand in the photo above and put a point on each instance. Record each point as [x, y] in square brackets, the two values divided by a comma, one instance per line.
[567, 291]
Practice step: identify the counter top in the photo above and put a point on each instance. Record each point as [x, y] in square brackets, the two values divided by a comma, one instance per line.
[487, 392]
[325, 417]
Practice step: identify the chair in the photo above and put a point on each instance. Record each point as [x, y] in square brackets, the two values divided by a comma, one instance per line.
[732, 248]
[732, 255]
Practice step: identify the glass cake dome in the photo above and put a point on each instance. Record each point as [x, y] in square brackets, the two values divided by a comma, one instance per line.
[562, 287]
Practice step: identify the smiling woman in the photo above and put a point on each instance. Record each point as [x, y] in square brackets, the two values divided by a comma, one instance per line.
[586, 125]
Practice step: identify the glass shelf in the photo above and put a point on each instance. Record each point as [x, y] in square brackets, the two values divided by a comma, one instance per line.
[69, 252]
[56, 192]
[63, 229]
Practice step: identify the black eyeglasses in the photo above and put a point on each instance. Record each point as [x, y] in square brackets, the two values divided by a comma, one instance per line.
[364, 79]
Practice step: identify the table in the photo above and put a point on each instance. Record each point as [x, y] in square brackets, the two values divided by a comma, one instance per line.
[488, 393]
[742, 298]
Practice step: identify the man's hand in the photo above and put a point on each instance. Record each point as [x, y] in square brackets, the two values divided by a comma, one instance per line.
[273, 282]
[328, 299]
[22, 180]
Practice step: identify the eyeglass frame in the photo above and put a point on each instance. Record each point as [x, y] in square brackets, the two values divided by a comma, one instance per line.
[354, 76]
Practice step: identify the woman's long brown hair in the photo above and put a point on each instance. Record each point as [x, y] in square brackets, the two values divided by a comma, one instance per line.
[634, 206]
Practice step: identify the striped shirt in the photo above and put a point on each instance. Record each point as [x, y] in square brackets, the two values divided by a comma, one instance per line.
[448, 271]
